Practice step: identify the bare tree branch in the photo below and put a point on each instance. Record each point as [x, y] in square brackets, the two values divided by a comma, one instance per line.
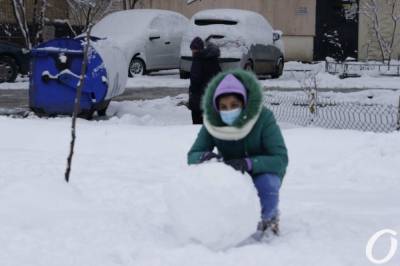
[395, 20]
[20, 15]
[88, 12]
[131, 4]
[374, 11]
[40, 24]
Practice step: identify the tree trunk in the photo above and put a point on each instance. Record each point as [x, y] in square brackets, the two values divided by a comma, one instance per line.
[395, 22]
[41, 22]
[35, 25]
[20, 16]
[88, 18]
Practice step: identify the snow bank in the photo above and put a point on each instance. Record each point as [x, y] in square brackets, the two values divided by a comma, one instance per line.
[213, 205]
[159, 112]
[294, 80]
[160, 80]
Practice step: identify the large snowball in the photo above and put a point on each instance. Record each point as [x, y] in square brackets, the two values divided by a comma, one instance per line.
[212, 204]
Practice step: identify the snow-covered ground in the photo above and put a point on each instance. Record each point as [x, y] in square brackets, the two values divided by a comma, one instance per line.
[294, 76]
[297, 74]
[132, 199]
[161, 79]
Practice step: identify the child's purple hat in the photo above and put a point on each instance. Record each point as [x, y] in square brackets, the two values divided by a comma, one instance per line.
[230, 84]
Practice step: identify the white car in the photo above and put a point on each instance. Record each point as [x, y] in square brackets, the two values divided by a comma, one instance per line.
[150, 38]
[245, 38]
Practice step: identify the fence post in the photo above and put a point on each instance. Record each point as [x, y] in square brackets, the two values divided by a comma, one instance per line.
[313, 103]
[398, 116]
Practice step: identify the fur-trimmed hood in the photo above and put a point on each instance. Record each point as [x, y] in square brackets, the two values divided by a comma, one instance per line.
[250, 113]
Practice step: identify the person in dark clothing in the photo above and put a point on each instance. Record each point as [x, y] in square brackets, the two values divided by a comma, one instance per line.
[204, 67]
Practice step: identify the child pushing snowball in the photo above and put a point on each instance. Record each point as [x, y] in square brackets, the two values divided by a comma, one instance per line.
[247, 138]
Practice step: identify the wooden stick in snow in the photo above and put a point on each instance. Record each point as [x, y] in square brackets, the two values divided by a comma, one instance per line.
[77, 103]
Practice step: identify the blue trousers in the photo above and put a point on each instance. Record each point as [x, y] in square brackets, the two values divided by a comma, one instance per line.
[268, 186]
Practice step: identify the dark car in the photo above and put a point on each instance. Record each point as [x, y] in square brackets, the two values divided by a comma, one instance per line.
[14, 59]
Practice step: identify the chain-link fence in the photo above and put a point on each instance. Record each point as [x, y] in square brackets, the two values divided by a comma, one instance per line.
[313, 111]
[354, 68]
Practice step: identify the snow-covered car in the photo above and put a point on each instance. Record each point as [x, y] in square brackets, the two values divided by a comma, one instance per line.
[150, 38]
[246, 40]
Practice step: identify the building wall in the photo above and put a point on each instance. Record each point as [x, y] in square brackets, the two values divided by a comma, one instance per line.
[299, 47]
[9, 28]
[368, 47]
[57, 9]
[295, 18]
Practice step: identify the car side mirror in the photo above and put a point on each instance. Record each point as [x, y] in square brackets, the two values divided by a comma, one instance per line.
[154, 35]
[276, 35]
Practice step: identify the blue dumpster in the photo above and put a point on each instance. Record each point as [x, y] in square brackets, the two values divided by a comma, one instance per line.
[56, 68]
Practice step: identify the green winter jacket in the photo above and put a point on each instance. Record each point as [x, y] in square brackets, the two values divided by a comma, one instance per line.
[255, 134]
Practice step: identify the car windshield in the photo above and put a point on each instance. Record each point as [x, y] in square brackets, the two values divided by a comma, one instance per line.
[206, 22]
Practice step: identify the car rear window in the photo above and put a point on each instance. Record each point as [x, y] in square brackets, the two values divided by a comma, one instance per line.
[205, 22]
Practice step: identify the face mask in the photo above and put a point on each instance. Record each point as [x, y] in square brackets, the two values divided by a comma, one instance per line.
[230, 116]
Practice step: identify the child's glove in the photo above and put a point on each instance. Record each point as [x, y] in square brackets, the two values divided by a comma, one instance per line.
[208, 156]
[242, 165]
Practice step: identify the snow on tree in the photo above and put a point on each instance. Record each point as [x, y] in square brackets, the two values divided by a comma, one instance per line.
[383, 19]
[35, 35]
[39, 19]
[20, 15]
[86, 12]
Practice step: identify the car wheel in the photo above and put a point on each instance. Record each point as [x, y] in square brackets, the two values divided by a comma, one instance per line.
[249, 66]
[8, 69]
[278, 68]
[86, 114]
[103, 110]
[136, 67]
[184, 74]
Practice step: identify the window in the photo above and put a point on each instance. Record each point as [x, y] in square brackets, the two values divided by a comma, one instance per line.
[205, 22]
